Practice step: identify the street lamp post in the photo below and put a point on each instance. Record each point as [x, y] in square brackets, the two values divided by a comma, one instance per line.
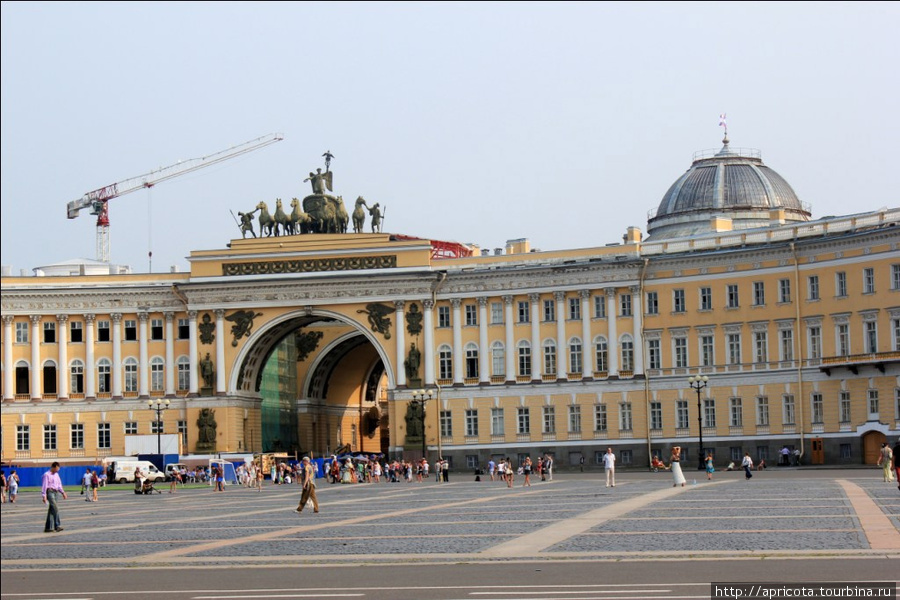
[698, 383]
[421, 397]
[160, 406]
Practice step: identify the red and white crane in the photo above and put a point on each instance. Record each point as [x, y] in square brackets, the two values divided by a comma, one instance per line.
[98, 199]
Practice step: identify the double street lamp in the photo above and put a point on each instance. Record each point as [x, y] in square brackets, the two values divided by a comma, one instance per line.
[698, 383]
[159, 406]
[420, 397]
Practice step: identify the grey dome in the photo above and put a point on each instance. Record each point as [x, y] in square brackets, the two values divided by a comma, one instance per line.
[729, 184]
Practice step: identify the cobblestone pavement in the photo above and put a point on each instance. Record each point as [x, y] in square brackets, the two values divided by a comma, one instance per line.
[842, 513]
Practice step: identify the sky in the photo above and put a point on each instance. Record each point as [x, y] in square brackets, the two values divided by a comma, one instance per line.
[564, 123]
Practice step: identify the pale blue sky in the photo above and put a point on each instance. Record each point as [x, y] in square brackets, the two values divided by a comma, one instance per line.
[561, 122]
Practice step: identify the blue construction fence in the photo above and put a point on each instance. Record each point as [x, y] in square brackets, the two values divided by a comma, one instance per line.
[69, 475]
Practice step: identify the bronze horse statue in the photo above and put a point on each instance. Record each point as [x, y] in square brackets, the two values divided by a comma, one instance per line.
[266, 222]
[299, 221]
[281, 218]
[359, 215]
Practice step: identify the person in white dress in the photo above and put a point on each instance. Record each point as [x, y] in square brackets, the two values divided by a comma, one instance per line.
[609, 463]
[677, 475]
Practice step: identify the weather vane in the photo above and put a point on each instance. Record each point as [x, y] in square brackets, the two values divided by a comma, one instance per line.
[723, 123]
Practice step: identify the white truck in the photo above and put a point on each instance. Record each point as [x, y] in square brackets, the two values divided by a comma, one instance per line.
[124, 471]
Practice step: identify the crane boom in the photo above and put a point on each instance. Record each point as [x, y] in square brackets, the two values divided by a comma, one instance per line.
[97, 199]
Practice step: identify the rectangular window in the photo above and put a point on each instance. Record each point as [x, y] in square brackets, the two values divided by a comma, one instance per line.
[103, 331]
[76, 377]
[156, 329]
[705, 298]
[184, 375]
[23, 437]
[184, 329]
[626, 457]
[471, 423]
[549, 413]
[600, 420]
[471, 461]
[759, 293]
[182, 431]
[872, 396]
[840, 284]
[76, 436]
[656, 415]
[843, 339]
[76, 332]
[574, 309]
[625, 305]
[21, 333]
[131, 376]
[523, 420]
[446, 424]
[443, 314]
[762, 410]
[736, 412]
[734, 348]
[681, 353]
[871, 338]
[868, 280]
[471, 315]
[845, 406]
[524, 360]
[498, 359]
[49, 437]
[497, 421]
[130, 330]
[49, 332]
[157, 375]
[812, 285]
[524, 312]
[709, 412]
[625, 423]
[846, 451]
[549, 310]
[678, 301]
[654, 355]
[131, 427]
[707, 353]
[157, 427]
[761, 346]
[471, 362]
[104, 437]
[817, 414]
[732, 294]
[787, 405]
[574, 418]
[599, 307]
[652, 303]
[815, 342]
[550, 359]
[784, 290]
[445, 363]
[895, 328]
[895, 277]
[575, 355]
[496, 313]
[682, 417]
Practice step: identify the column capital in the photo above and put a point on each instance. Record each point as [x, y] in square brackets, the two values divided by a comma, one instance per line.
[455, 302]
[220, 313]
[399, 304]
[610, 291]
[35, 319]
[507, 299]
[8, 319]
[169, 316]
[90, 318]
[560, 296]
[584, 294]
[116, 317]
[482, 301]
[143, 316]
[62, 318]
[192, 315]
[635, 289]
[534, 298]
[428, 304]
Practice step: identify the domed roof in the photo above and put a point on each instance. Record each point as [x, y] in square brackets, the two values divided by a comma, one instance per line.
[730, 184]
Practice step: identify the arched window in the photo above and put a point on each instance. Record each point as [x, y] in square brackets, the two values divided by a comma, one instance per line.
[445, 362]
[576, 363]
[49, 377]
[22, 378]
[601, 356]
[104, 369]
[471, 360]
[627, 352]
[524, 351]
[131, 374]
[549, 347]
[76, 377]
[157, 374]
[498, 359]
[184, 373]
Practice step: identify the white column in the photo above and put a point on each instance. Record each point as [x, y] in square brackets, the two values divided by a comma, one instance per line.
[220, 351]
[637, 319]
[562, 345]
[90, 369]
[613, 344]
[192, 346]
[401, 343]
[484, 352]
[510, 339]
[9, 393]
[586, 357]
[36, 366]
[62, 372]
[537, 355]
[428, 325]
[457, 342]
[171, 368]
[143, 356]
[117, 355]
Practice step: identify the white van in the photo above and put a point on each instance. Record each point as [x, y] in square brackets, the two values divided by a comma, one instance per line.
[124, 471]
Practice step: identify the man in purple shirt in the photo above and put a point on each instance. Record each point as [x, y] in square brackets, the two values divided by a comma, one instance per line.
[51, 489]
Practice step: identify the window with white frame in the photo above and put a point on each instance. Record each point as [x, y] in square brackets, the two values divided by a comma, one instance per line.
[131, 332]
[787, 409]
[49, 332]
[23, 438]
[707, 350]
[182, 431]
[471, 315]
[784, 291]
[498, 359]
[600, 418]
[656, 415]
[736, 412]
[682, 416]
[575, 356]
[131, 374]
[599, 307]
[895, 277]
[549, 348]
[734, 348]
[76, 377]
[574, 418]
[895, 328]
[156, 329]
[843, 339]
[443, 314]
[471, 423]
[523, 420]
[678, 301]
[103, 330]
[184, 373]
[601, 356]
[762, 411]
[681, 352]
[524, 355]
[157, 374]
[625, 422]
[497, 421]
[787, 344]
[50, 437]
[812, 287]
[574, 309]
[625, 305]
[732, 296]
[815, 341]
[759, 293]
[872, 396]
[157, 427]
[709, 412]
[817, 413]
[549, 414]
[76, 332]
[871, 338]
[868, 280]
[184, 329]
[705, 298]
[496, 313]
[446, 424]
[844, 402]
[76, 436]
[131, 428]
[652, 303]
[549, 310]
[104, 436]
[654, 354]
[21, 333]
[840, 284]
[445, 362]
[627, 353]
[524, 312]
[471, 360]
[104, 372]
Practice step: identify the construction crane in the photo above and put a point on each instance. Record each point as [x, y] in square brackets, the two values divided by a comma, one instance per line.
[98, 200]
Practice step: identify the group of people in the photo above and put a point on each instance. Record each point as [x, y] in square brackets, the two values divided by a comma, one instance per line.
[90, 485]
[9, 486]
[502, 470]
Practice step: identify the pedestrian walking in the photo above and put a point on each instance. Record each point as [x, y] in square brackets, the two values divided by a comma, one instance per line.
[548, 466]
[710, 468]
[747, 463]
[308, 481]
[3, 486]
[95, 486]
[13, 483]
[675, 465]
[86, 485]
[51, 490]
[609, 463]
[526, 471]
[886, 462]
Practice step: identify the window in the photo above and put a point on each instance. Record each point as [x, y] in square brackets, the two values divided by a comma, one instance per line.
[845, 451]
[156, 329]
[736, 412]
[182, 431]
[184, 329]
[550, 357]
[707, 353]
[524, 312]
[787, 344]
[600, 354]
[843, 339]
[600, 420]
[471, 423]
[523, 420]
[871, 339]
[625, 416]
[157, 374]
[76, 436]
[576, 364]
[104, 368]
[625, 305]
[681, 353]
[524, 359]
[49, 332]
[49, 372]
[735, 453]
[784, 290]
[654, 357]
[815, 342]
[845, 406]
[445, 362]
[895, 277]
[130, 330]
[656, 415]
[574, 309]
[872, 396]
[446, 424]
[759, 293]
[817, 408]
[102, 331]
[627, 353]
[549, 413]
[104, 438]
[761, 346]
[496, 421]
[574, 418]
[549, 310]
[471, 315]
[22, 377]
[734, 348]
[131, 427]
[76, 332]
[678, 301]
[76, 377]
[840, 284]
[732, 294]
[599, 307]
[626, 457]
[49, 437]
[681, 415]
[787, 404]
[652, 303]
[762, 411]
[23, 437]
[895, 327]
[157, 426]
[471, 461]
[131, 374]
[443, 313]
[868, 280]
[705, 298]
[812, 285]
[184, 373]
[471, 361]
[498, 359]
[21, 333]
[496, 313]
[709, 412]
